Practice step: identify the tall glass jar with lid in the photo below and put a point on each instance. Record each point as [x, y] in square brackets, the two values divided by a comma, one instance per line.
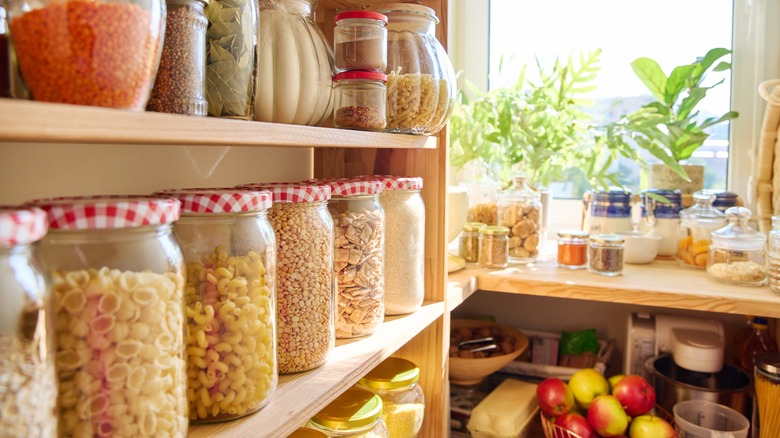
[737, 254]
[403, 402]
[28, 394]
[696, 226]
[356, 413]
[117, 275]
[230, 253]
[520, 210]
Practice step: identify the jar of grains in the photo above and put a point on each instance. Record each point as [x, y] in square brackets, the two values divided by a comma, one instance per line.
[520, 210]
[356, 413]
[180, 87]
[605, 254]
[304, 274]
[468, 247]
[573, 249]
[737, 253]
[403, 402]
[28, 383]
[100, 53]
[117, 276]
[230, 252]
[696, 226]
[360, 41]
[360, 100]
[493, 246]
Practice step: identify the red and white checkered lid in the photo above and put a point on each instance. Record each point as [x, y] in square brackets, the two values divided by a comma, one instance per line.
[21, 225]
[108, 211]
[346, 187]
[294, 192]
[219, 200]
[392, 182]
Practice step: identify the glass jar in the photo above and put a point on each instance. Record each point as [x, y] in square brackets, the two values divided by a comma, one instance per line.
[573, 249]
[28, 393]
[493, 246]
[231, 52]
[420, 79]
[356, 413]
[767, 386]
[737, 253]
[696, 226]
[305, 432]
[468, 247]
[305, 300]
[180, 87]
[230, 253]
[605, 254]
[773, 258]
[360, 41]
[663, 216]
[520, 210]
[295, 65]
[403, 402]
[608, 212]
[117, 275]
[360, 100]
[100, 53]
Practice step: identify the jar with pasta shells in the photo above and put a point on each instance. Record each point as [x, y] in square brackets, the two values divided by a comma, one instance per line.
[420, 79]
[229, 249]
[28, 392]
[117, 276]
[520, 210]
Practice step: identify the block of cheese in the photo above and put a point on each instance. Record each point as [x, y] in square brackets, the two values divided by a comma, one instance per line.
[506, 412]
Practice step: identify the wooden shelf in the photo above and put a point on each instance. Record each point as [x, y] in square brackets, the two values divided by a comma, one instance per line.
[299, 396]
[38, 122]
[661, 284]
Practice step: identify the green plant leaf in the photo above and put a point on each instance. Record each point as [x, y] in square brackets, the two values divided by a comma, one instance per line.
[650, 73]
[676, 83]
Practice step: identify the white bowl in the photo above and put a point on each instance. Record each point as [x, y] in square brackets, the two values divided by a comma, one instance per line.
[640, 248]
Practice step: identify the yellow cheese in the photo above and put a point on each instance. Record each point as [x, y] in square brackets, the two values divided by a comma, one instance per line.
[506, 412]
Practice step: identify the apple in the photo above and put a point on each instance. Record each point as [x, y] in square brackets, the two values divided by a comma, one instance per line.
[554, 397]
[650, 426]
[613, 381]
[587, 384]
[576, 423]
[635, 394]
[607, 416]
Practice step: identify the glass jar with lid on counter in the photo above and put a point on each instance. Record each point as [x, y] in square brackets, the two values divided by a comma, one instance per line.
[737, 254]
[359, 100]
[360, 41]
[493, 246]
[605, 254]
[573, 249]
[696, 226]
[403, 402]
[468, 246]
[520, 210]
[356, 413]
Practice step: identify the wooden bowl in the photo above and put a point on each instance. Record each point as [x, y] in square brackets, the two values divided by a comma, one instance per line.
[470, 371]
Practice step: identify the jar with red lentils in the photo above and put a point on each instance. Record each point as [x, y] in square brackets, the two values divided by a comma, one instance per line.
[99, 53]
[360, 100]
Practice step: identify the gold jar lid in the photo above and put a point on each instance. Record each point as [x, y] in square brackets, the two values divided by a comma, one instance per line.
[354, 409]
[494, 230]
[473, 226]
[393, 373]
[305, 432]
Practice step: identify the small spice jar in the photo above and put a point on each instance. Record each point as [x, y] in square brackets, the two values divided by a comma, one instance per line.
[605, 254]
[403, 402]
[520, 210]
[493, 246]
[468, 247]
[737, 254]
[28, 393]
[573, 249]
[360, 41]
[355, 413]
[695, 232]
[360, 100]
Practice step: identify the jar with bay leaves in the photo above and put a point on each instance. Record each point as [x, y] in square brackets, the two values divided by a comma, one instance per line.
[231, 42]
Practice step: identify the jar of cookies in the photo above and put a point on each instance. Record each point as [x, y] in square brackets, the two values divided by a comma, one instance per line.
[737, 254]
[520, 210]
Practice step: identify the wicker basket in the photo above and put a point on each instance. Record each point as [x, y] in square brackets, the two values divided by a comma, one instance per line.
[551, 430]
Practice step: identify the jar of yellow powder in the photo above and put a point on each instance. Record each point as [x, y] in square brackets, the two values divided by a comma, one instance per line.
[396, 381]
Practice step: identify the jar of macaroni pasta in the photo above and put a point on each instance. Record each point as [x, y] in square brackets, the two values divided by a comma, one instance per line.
[403, 402]
[230, 252]
[305, 291]
[117, 275]
[28, 392]
[356, 413]
[696, 226]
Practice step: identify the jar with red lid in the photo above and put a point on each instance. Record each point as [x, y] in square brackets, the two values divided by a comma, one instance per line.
[360, 100]
[28, 393]
[230, 253]
[360, 41]
[117, 276]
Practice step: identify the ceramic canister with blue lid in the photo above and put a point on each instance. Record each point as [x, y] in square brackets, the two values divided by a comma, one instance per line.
[608, 211]
[662, 212]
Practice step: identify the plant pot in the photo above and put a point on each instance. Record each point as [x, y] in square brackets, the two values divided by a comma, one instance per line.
[663, 177]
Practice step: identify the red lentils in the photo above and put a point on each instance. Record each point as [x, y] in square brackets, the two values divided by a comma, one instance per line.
[88, 53]
[367, 118]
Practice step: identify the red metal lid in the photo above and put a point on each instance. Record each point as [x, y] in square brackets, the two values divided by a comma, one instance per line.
[392, 182]
[351, 186]
[360, 74]
[21, 225]
[360, 14]
[293, 192]
[219, 200]
[108, 211]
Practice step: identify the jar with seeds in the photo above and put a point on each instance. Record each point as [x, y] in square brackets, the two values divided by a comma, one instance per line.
[28, 393]
[520, 210]
[230, 253]
[605, 254]
[493, 246]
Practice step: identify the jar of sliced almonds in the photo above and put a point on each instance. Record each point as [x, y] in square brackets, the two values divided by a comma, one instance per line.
[520, 210]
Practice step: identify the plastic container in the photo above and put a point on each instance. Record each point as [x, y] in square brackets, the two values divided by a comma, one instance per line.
[468, 247]
[119, 315]
[355, 413]
[230, 253]
[573, 249]
[493, 246]
[737, 254]
[664, 219]
[28, 394]
[360, 41]
[605, 254]
[773, 256]
[403, 403]
[704, 419]
[520, 210]
[696, 226]
[360, 100]
[767, 383]
[99, 53]
[608, 212]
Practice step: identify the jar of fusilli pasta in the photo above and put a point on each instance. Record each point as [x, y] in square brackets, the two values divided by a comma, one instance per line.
[117, 276]
[230, 252]
[28, 383]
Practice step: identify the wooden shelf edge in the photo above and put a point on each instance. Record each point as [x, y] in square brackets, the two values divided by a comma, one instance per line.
[299, 396]
[39, 122]
[461, 285]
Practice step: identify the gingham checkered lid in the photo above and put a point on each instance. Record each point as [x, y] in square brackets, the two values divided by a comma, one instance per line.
[346, 187]
[219, 200]
[108, 211]
[21, 225]
[392, 182]
[293, 192]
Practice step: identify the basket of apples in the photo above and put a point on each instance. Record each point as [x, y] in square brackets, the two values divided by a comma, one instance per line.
[590, 406]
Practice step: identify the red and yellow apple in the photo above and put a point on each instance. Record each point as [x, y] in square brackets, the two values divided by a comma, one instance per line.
[576, 423]
[635, 395]
[587, 384]
[650, 426]
[554, 397]
[607, 416]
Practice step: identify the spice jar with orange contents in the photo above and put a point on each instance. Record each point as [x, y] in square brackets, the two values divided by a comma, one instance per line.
[573, 249]
[696, 226]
